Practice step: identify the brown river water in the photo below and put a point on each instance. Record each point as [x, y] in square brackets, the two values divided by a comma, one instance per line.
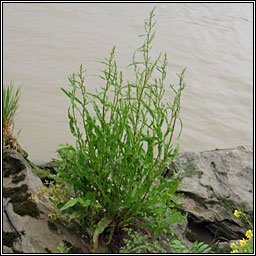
[43, 43]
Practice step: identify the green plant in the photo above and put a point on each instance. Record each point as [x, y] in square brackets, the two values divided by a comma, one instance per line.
[63, 249]
[141, 244]
[245, 245]
[198, 247]
[10, 105]
[124, 137]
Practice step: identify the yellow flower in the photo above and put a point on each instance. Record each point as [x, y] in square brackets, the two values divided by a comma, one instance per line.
[237, 213]
[233, 245]
[249, 234]
[234, 251]
[243, 243]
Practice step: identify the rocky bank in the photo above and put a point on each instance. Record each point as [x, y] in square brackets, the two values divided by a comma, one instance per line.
[214, 184]
[27, 227]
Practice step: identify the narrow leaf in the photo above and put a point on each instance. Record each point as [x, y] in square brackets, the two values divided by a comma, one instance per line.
[102, 224]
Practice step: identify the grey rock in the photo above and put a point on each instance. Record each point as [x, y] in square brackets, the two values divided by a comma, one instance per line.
[7, 249]
[13, 160]
[37, 238]
[215, 183]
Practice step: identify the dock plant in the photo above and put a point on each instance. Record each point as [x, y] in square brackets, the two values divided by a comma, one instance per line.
[125, 135]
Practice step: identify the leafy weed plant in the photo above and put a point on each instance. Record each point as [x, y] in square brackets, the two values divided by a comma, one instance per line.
[141, 244]
[124, 137]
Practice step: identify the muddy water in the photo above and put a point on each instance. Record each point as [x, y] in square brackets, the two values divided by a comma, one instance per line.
[43, 43]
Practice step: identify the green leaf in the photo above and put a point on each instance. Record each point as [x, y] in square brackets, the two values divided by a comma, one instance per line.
[102, 224]
[66, 92]
[84, 203]
[128, 221]
[111, 234]
[76, 214]
[71, 123]
[70, 203]
[207, 250]
[173, 188]
[134, 191]
[97, 111]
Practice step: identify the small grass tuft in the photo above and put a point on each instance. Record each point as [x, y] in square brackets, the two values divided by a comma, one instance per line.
[10, 105]
[11, 98]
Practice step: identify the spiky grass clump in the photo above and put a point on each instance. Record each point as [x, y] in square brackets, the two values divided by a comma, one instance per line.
[10, 105]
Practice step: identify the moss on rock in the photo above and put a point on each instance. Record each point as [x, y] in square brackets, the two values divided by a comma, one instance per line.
[26, 208]
[9, 192]
[17, 178]
[9, 238]
[191, 170]
[11, 166]
[20, 200]
[52, 226]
